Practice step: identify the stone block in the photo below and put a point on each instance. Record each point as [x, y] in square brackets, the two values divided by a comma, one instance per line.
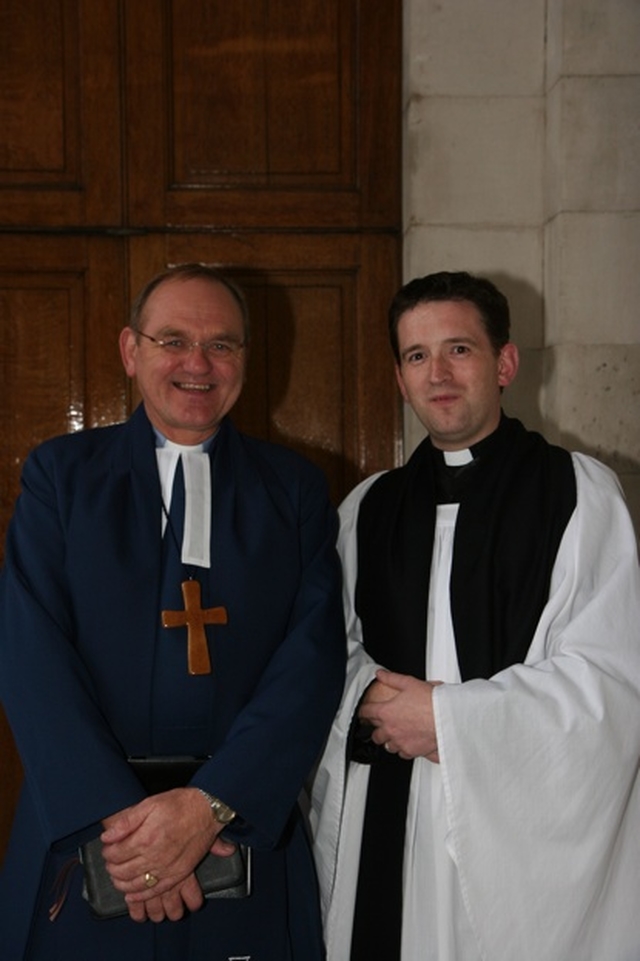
[475, 161]
[592, 279]
[462, 46]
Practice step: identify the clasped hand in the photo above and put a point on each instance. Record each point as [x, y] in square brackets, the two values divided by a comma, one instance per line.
[400, 708]
[165, 836]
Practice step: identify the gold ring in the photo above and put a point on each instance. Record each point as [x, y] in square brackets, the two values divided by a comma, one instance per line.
[150, 879]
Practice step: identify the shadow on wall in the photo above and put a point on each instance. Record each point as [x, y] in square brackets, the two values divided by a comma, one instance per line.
[583, 408]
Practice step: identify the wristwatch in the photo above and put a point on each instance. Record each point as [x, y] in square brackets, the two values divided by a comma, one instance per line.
[221, 811]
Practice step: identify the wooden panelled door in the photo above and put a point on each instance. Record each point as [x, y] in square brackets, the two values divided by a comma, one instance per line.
[260, 135]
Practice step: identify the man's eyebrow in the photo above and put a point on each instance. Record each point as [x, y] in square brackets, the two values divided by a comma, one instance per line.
[184, 335]
[410, 349]
[463, 339]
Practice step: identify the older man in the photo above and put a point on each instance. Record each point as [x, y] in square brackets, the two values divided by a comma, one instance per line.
[191, 622]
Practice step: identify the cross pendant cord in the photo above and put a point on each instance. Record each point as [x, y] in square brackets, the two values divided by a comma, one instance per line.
[193, 617]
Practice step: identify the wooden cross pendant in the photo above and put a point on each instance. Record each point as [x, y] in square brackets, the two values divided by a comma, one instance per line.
[194, 618]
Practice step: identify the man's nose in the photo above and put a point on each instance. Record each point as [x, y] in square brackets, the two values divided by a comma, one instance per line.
[440, 369]
[197, 358]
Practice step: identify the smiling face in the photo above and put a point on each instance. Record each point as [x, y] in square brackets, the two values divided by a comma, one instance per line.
[187, 395]
[449, 372]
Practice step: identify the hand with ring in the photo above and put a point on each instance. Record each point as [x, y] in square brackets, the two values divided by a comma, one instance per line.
[151, 850]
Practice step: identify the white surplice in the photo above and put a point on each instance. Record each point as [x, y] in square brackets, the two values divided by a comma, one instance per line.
[523, 844]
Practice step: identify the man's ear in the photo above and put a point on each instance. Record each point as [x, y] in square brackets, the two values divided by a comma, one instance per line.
[128, 347]
[508, 363]
[400, 382]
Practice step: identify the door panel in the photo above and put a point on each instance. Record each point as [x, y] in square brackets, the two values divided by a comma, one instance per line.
[258, 93]
[60, 315]
[264, 114]
[60, 148]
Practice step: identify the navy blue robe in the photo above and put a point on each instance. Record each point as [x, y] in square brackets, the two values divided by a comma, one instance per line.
[82, 660]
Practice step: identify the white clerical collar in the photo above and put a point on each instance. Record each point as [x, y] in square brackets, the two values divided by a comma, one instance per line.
[457, 458]
[197, 489]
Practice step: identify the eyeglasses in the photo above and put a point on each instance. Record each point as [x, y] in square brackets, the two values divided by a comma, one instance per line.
[179, 347]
